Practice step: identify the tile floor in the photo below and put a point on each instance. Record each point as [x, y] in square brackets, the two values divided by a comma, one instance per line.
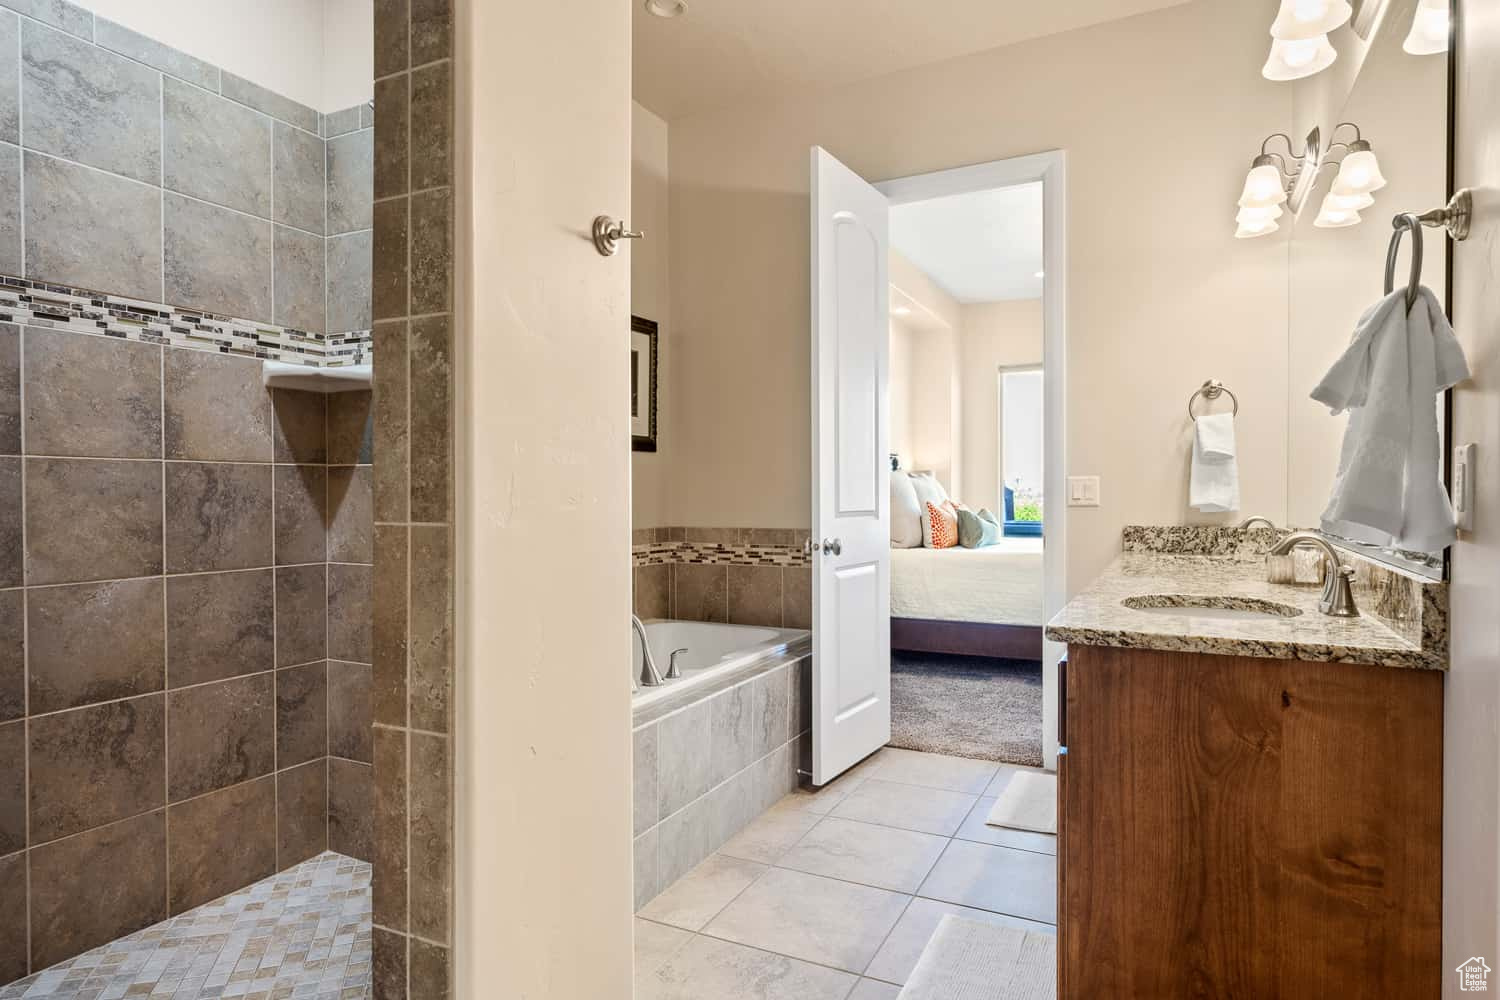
[302, 933]
[832, 895]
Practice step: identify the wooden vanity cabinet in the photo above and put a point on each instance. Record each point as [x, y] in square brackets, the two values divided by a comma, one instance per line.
[1235, 827]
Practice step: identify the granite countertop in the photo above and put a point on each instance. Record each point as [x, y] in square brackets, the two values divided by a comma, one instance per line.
[1096, 617]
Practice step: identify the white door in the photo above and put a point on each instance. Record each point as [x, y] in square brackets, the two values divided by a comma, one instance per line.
[851, 470]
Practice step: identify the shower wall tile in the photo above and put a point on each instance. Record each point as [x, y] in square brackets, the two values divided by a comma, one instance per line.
[349, 282]
[351, 517]
[388, 252]
[391, 437]
[754, 595]
[431, 251]
[10, 78]
[701, 593]
[301, 714]
[350, 181]
[89, 105]
[92, 766]
[388, 849]
[390, 170]
[350, 429]
[10, 210]
[216, 259]
[431, 638]
[91, 397]
[388, 965]
[12, 547]
[218, 516]
[336, 123]
[10, 389]
[392, 39]
[653, 591]
[221, 842]
[431, 836]
[432, 125]
[92, 520]
[431, 30]
[389, 635]
[219, 735]
[301, 813]
[351, 801]
[219, 625]
[215, 150]
[13, 918]
[427, 973]
[69, 17]
[268, 102]
[431, 419]
[349, 722]
[173, 62]
[130, 857]
[301, 427]
[90, 229]
[299, 180]
[94, 642]
[301, 614]
[301, 280]
[796, 597]
[12, 787]
[301, 499]
[216, 408]
[12, 655]
[349, 624]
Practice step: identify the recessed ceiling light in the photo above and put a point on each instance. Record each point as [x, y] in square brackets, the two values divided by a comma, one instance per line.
[900, 311]
[666, 8]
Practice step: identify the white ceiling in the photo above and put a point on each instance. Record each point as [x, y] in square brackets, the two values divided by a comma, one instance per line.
[722, 52]
[982, 247]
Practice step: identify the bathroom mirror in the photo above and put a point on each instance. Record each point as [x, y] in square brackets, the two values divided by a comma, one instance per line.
[1399, 102]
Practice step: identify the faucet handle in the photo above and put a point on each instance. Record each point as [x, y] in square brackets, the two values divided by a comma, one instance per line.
[1338, 594]
[672, 672]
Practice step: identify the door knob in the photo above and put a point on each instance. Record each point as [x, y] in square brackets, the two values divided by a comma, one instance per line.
[832, 546]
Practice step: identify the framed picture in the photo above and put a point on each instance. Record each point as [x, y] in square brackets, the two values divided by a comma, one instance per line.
[642, 384]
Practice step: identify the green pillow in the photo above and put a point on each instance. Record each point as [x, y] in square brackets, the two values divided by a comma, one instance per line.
[977, 530]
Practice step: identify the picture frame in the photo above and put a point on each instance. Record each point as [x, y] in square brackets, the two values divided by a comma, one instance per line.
[643, 383]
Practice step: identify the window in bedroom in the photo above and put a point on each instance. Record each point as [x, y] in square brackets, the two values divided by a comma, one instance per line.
[1020, 413]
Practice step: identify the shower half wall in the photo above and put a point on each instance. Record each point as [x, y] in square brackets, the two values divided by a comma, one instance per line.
[185, 557]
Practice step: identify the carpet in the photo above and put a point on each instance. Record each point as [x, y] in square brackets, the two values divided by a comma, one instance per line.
[967, 706]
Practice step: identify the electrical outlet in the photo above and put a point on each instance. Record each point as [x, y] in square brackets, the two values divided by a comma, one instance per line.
[1463, 487]
[1083, 491]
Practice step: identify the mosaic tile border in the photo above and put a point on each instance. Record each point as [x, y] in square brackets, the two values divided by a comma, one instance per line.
[718, 547]
[42, 304]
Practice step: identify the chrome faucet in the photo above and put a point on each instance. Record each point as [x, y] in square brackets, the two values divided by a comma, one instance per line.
[1338, 596]
[650, 676]
[673, 673]
[1255, 519]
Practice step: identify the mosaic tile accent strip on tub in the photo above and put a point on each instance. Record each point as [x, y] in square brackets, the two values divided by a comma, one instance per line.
[719, 547]
[36, 303]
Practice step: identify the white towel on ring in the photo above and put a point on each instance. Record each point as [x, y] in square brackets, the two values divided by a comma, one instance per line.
[1214, 485]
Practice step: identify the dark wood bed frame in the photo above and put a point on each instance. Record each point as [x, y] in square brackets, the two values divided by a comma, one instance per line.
[920, 635]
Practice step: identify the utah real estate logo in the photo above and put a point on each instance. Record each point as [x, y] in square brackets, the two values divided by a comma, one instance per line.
[1474, 975]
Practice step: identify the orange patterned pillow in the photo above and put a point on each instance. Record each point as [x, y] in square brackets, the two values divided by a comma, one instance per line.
[943, 525]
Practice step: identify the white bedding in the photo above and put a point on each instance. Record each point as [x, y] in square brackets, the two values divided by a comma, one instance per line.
[999, 584]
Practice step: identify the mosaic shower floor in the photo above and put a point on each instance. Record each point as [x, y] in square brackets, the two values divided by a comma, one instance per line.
[301, 934]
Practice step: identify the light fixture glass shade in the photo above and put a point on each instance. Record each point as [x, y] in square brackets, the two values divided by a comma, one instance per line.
[1297, 59]
[1255, 215]
[1333, 217]
[1263, 188]
[1299, 19]
[1250, 230]
[1359, 173]
[1348, 202]
[1429, 29]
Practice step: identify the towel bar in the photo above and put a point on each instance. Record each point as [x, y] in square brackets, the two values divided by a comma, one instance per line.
[1212, 389]
[1454, 217]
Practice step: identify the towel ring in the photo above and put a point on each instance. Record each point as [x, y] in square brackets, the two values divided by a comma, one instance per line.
[1404, 223]
[1212, 389]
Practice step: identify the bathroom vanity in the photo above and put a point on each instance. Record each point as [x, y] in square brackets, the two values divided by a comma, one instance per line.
[1250, 801]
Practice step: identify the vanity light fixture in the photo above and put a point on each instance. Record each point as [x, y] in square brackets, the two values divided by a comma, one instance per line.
[1277, 179]
[1429, 29]
[666, 8]
[1332, 216]
[1299, 58]
[1298, 20]
[1359, 172]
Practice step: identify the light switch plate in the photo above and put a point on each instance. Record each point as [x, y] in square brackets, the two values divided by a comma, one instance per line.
[1083, 491]
[1463, 487]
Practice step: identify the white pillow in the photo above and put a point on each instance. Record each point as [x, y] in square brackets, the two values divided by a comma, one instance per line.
[906, 513]
[929, 490]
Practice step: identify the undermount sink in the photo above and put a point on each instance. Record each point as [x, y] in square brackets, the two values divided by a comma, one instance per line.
[1211, 606]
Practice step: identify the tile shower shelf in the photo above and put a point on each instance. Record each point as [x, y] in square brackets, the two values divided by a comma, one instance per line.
[325, 379]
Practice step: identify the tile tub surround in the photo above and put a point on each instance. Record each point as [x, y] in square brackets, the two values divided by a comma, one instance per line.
[1096, 616]
[704, 770]
[841, 888]
[412, 586]
[144, 173]
[183, 706]
[742, 576]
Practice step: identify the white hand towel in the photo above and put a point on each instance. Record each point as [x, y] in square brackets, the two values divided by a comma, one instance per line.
[1387, 491]
[1215, 482]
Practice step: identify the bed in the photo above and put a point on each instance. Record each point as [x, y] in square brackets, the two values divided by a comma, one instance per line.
[975, 602]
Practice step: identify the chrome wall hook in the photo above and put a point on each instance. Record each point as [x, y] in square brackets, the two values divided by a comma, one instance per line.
[609, 232]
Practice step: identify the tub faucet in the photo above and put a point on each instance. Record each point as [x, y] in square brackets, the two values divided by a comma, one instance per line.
[650, 676]
[673, 673]
[1338, 596]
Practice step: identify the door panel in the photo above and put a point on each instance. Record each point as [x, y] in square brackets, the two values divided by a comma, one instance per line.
[851, 572]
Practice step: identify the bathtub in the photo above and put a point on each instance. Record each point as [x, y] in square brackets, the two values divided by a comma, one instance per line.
[713, 653]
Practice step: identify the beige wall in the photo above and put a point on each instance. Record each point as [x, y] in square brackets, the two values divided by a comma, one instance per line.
[995, 335]
[929, 373]
[543, 863]
[650, 298]
[899, 385]
[1160, 299]
[1471, 754]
